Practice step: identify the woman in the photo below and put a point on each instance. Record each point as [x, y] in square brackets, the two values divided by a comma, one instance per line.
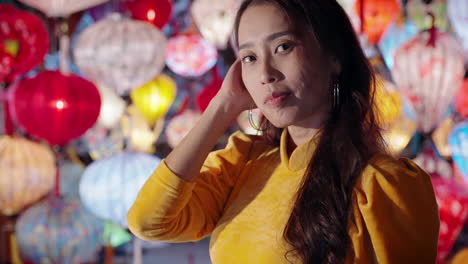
[317, 186]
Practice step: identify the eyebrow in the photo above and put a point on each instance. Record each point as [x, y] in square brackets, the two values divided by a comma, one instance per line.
[268, 38]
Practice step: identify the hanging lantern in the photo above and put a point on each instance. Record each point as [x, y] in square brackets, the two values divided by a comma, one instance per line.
[58, 230]
[70, 175]
[418, 9]
[209, 92]
[139, 134]
[452, 200]
[156, 12]
[102, 142]
[109, 186]
[398, 134]
[440, 137]
[387, 101]
[180, 125]
[378, 14]
[27, 173]
[121, 53]
[61, 8]
[24, 42]
[458, 143]
[458, 15]
[215, 19]
[396, 34]
[154, 98]
[112, 107]
[190, 55]
[55, 107]
[428, 70]
[461, 100]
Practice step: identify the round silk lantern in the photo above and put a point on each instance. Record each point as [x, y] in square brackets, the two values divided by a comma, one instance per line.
[396, 34]
[458, 143]
[378, 14]
[121, 53]
[55, 107]
[24, 42]
[156, 12]
[154, 98]
[112, 107]
[190, 55]
[418, 9]
[452, 200]
[428, 70]
[180, 125]
[58, 230]
[27, 173]
[215, 19]
[458, 15]
[461, 100]
[62, 8]
[109, 186]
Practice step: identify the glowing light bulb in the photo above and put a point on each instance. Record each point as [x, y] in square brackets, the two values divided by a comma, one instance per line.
[60, 104]
[151, 15]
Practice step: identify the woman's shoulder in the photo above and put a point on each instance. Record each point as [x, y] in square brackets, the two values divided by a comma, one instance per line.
[242, 141]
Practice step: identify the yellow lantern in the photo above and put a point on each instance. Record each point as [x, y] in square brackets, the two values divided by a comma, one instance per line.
[27, 173]
[387, 102]
[440, 136]
[154, 98]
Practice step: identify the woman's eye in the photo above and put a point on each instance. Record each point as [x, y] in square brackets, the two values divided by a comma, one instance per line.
[283, 47]
[248, 59]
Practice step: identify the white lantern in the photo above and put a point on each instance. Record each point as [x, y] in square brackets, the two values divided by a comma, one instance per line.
[109, 186]
[112, 107]
[429, 70]
[458, 15]
[62, 8]
[121, 53]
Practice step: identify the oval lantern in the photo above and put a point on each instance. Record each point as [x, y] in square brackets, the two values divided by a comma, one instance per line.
[190, 55]
[156, 12]
[27, 173]
[24, 42]
[154, 98]
[58, 230]
[215, 19]
[461, 100]
[112, 107]
[428, 70]
[378, 14]
[61, 8]
[180, 125]
[396, 34]
[458, 15]
[418, 9]
[458, 143]
[109, 186]
[121, 53]
[55, 107]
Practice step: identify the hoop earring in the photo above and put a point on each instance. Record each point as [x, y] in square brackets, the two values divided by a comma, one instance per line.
[251, 120]
[336, 92]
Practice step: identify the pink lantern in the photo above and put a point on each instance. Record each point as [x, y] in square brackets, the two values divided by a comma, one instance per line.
[428, 70]
[190, 55]
[24, 42]
[461, 100]
[62, 8]
[55, 107]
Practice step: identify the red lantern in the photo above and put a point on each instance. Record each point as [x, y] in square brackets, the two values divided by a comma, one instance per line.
[24, 42]
[156, 12]
[461, 100]
[377, 16]
[55, 107]
[205, 96]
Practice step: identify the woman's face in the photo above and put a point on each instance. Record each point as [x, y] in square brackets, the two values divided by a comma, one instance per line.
[284, 71]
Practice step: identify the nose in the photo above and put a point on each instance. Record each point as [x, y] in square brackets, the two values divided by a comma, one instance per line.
[268, 74]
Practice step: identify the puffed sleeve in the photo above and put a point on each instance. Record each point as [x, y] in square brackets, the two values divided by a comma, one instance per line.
[395, 215]
[171, 209]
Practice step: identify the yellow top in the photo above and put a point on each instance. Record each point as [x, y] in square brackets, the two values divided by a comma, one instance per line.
[244, 205]
[461, 257]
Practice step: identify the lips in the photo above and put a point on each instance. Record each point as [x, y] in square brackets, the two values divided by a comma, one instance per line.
[277, 98]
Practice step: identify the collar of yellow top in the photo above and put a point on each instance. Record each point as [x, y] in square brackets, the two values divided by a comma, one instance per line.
[301, 156]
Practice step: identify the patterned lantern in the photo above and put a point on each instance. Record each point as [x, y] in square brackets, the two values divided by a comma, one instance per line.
[215, 19]
[55, 107]
[453, 211]
[461, 100]
[378, 14]
[109, 186]
[24, 42]
[396, 34]
[190, 55]
[458, 16]
[121, 53]
[156, 12]
[180, 125]
[62, 8]
[458, 143]
[58, 230]
[27, 173]
[112, 107]
[154, 98]
[418, 9]
[429, 70]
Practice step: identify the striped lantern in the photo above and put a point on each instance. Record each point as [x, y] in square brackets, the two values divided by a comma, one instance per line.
[27, 173]
[429, 70]
[58, 230]
[62, 8]
[109, 186]
[120, 53]
[458, 15]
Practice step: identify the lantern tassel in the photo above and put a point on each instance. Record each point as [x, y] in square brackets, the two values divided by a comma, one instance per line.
[432, 31]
